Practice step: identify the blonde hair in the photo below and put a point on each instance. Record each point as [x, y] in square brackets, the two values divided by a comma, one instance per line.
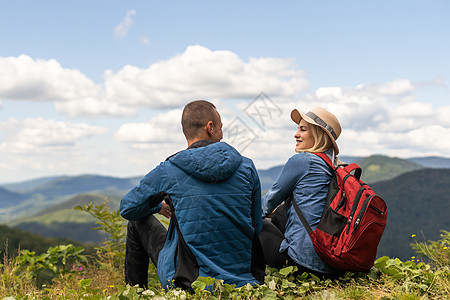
[322, 142]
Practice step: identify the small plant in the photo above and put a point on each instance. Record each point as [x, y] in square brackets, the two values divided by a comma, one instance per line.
[109, 221]
[438, 252]
[355, 293]
[59, 260]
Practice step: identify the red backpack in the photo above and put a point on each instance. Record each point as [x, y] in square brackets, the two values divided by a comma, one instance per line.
[352, 221]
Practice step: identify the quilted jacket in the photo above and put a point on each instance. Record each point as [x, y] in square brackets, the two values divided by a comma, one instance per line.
[217, 198]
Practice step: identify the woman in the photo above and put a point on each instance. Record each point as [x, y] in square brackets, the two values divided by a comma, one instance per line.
[305, 176]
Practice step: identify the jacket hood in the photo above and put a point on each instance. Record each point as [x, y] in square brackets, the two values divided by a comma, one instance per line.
[212, 163]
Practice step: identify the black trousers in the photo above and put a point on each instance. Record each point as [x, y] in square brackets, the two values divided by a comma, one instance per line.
[271, 238]
[145, 239]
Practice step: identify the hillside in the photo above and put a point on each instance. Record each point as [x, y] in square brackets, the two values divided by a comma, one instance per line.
[432, 162]
[61, 220]
[8, 198]
[418, 203]
[40, 194]
[80, 199]
[29, 185]
[15, 238]
[81, 184]
[378, 168]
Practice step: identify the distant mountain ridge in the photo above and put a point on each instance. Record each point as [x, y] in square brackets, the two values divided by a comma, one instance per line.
[61, 220]
[26, 198]
[64, 185]
[433, 162]
[378, 168]
[375, 168]
[29, 185]
[7, 198]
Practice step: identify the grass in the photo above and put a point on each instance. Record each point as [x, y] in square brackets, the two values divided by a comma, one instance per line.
[65, 273]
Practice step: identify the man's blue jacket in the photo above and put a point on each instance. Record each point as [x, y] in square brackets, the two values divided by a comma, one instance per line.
[217, 198]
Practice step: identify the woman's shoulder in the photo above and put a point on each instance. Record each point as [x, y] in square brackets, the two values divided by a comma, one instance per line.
[307, 158]
[300, 159]
[302, 156]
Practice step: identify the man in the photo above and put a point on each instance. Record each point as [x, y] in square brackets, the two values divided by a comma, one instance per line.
[215, 195]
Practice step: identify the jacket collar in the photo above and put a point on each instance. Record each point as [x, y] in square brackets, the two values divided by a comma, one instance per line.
[197, 144]
[201, 143]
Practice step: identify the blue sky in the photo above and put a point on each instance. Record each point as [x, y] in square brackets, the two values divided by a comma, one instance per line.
[98, 86]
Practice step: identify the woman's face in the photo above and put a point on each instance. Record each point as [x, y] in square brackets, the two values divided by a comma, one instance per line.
[304, 137]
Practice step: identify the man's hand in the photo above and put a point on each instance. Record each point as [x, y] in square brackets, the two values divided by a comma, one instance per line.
[165, 210]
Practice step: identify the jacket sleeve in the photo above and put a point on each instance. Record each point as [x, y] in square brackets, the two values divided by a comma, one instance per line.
[139, 202]
[294, 169]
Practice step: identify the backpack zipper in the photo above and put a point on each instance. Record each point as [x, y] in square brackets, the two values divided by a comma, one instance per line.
[355, 205]
[343, 201]
[377, 209]
[362, 211]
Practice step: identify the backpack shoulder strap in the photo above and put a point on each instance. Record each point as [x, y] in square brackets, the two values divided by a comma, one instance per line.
[325, 158]
[349, 168]
[291, 197]
[299, 213]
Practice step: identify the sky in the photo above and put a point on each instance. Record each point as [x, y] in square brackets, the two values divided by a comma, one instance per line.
[98, 87]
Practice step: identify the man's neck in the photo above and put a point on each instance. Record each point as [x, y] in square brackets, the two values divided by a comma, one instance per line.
[202, 138]
[200, 143]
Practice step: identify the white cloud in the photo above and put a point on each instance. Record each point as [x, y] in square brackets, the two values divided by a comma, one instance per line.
[24, 78]
[432, 140]
[432, 137]
[44, 136]
[164, 128]
[93, 107]
[387, 119]
[203, 73]
[376, 119]
[394, 88]
[367, 107]
[443, 116]
[121, 30]
[196, 73]
[38, 80]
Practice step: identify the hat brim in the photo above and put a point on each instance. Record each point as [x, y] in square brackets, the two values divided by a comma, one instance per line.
[297, 116]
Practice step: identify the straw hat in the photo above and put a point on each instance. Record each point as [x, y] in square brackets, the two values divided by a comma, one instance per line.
[322, 118]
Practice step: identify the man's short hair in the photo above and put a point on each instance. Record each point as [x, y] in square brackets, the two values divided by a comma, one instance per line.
[196, 115]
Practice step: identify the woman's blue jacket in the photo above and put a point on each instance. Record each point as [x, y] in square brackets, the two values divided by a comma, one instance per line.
[307, 176]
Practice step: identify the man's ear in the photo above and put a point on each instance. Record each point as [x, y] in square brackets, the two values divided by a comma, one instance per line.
[209, 128]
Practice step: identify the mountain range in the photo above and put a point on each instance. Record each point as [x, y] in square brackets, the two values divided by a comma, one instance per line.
[375, 168]
[418, 208]
[27, 198]
[416, 194]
